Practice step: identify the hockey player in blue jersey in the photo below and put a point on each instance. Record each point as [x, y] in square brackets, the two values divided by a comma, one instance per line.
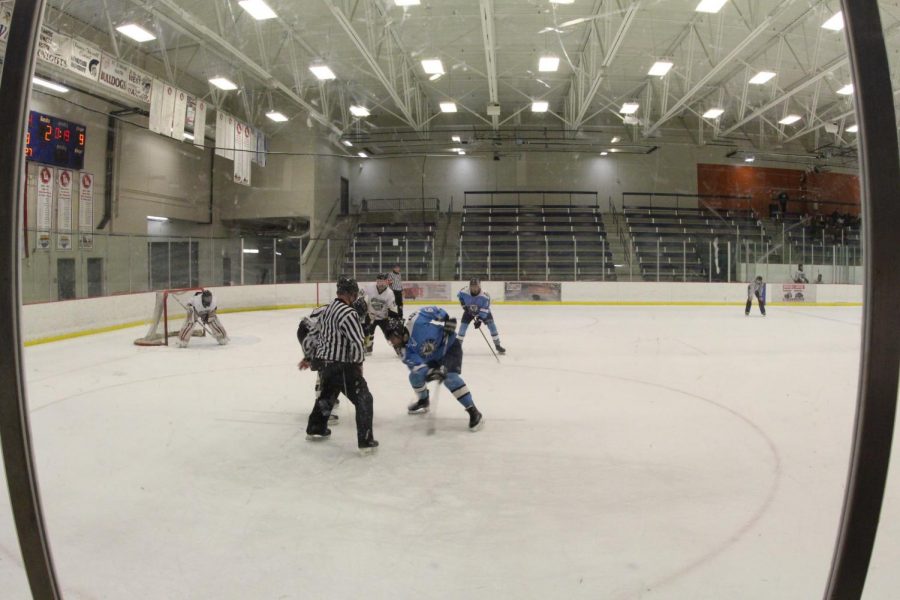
[476, 305]
[433, 353]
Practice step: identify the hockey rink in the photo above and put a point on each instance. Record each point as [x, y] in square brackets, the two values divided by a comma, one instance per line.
[627, 452]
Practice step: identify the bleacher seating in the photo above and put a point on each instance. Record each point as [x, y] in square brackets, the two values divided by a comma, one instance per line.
[556, 243]
[807, 240]
[674, 244]
[375, 248]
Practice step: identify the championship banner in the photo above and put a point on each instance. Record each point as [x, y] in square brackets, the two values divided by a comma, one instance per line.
[44, 203]
[5, 20]
[84, 59]
[238, 156]
[180, 114]
[126, 79]
[794, 292]
[199, 124]
[262, 148]
[53, 48]
[86, 212]
[249, 148]
[64, 209]
[433, 291]
[157, 92]
[534, 291]
[221, 124]
[167, 110]
[229, 136]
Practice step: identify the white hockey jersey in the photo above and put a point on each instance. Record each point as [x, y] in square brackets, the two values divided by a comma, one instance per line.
[379, 303]
[196, 304]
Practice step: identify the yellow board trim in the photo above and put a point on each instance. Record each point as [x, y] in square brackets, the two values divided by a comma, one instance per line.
[86, 332]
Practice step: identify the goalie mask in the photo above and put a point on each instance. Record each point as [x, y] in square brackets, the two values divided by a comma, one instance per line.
[206, 298]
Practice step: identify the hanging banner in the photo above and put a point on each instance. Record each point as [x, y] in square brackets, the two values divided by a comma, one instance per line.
[221, 125]
[199, 123]
[53, 48]
[238, 156]
[44, 204]
[86, 212]
[190, 115]
[64, 209]
[262, 148]
[84, 59]
[229, 137]
[179, 114]
[157, 92]
[5, 20]
[125, 79]
[249, 148]
[167, 114]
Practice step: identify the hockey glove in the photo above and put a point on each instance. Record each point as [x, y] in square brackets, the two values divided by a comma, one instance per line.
[436, 374]
[449, 326]
[477, 323]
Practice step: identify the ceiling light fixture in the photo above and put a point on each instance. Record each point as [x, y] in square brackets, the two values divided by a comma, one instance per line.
[835, 23]
[846, 90]
[223, 83]
[604, 153]
[710, 6]
[258, 9]
[790, 119]
[562, 1]
[362, 155]
[406, 2]
[629, 108]
[359, 111]
[435, 77]
[322, 72]
[276, 116]
[539, 106]
[660, 68]
[548, 64]
[160, 219]
[49, 85]
[761, 77]
[713, 113]
[135, 32]
[433, 66]
[251, 250]
[615, 139]
[347, 143]
[456, 138]
[448, 107]
[852, 129]
[749, 159]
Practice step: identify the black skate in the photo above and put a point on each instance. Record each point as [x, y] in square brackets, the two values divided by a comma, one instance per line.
[318, 437]
[500, 349]
[368, 447]
[419, 407]
[333, 419]
[475, 419]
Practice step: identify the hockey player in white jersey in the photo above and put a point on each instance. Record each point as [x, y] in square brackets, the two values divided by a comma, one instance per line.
[376, 306]
[201, 309]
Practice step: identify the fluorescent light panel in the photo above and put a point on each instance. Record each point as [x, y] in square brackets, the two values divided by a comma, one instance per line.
[251, 250]
[835, 23]
[49, 85]
[135, 32]
[790, 119]
[435, 77]
[362, 155]
[258, 9]
[846, 90]
[852, 129]
[548, 64]
[359, 111]
[713, 113]
[406, 2]
[347, 143]
[433, 66]
[456, 138]
[629, 108]
[276, 116]
[448, 107]
[160, 219]
[562, 1]
[322, 72]
[749, 159]
[539, 106]
[761, 77]
[223, 83]
[604, 153]
[660, 68]
[710, 6]
[615, 139]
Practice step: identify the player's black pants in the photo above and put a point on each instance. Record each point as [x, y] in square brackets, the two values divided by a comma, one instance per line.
[398, 298]
[370, 327]
[346, 378]
[762, 304]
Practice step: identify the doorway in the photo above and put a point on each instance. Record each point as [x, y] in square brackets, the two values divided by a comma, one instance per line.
[345, 196]
[94, 277]
[65, 278]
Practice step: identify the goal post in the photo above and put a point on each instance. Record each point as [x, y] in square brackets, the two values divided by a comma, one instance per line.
[168, 316]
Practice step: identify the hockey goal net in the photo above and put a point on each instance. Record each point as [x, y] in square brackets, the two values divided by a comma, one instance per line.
[168, 317]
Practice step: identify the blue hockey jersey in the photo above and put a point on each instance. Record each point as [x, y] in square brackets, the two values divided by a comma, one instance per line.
[480, 302]
[427, 340]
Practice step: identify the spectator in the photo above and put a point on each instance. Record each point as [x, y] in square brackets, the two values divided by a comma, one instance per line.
[819, 278]
[799, 275]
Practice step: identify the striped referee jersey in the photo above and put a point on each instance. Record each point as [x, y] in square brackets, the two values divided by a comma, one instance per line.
[341, 338]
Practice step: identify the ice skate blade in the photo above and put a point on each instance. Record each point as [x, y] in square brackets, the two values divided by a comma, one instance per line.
[477, 427]
[418, 411]
[368, 451]
[316, 438]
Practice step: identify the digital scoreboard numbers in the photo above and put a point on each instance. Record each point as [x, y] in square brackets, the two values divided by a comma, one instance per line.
[54, 141]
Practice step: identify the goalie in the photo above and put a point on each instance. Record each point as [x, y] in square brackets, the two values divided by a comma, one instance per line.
[201, 310]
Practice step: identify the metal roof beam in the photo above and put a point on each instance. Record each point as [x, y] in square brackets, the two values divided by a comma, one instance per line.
[490, 54]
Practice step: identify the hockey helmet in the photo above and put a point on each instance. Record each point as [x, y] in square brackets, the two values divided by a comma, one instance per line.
[759, 279]
[396, 328]
[475, 284]
[206, 298]
[347, 285]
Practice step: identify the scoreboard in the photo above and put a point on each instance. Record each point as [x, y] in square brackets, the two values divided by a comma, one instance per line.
[54, 141]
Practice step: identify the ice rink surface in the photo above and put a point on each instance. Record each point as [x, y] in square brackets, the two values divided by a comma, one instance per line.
[628, 452]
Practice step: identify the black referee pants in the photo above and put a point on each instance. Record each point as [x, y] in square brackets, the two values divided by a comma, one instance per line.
[346, 378]
[398, 298]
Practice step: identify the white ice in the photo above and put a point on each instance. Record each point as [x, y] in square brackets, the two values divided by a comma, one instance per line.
[628, 452]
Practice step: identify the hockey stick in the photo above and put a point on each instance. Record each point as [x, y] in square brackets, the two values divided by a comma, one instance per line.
[488, 344]
[199, 320]
[431, 418]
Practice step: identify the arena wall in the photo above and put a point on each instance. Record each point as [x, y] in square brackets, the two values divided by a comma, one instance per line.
[53, 321]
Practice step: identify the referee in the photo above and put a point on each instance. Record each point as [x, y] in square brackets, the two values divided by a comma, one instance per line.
[397, 287]
[341, 352]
